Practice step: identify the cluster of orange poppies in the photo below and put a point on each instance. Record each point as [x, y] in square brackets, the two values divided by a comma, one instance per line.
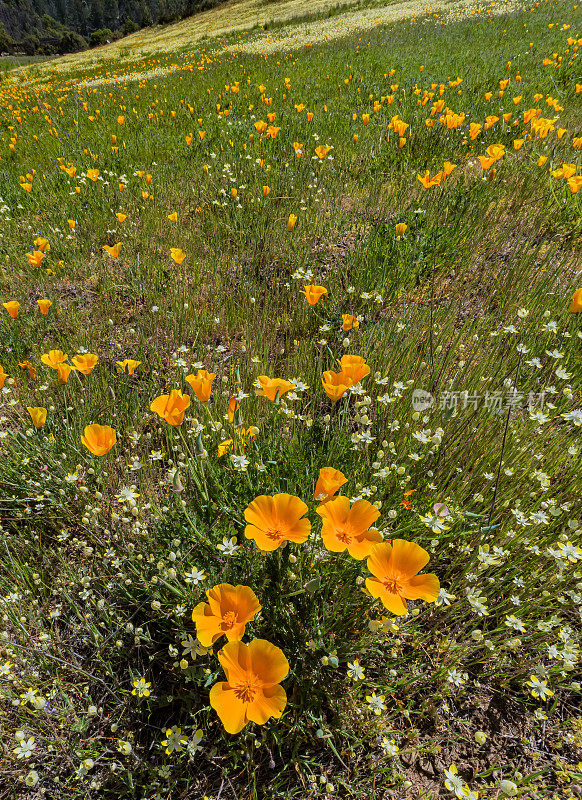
[252, 690]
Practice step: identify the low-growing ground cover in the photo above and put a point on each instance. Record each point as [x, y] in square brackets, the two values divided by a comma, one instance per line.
[290, 415]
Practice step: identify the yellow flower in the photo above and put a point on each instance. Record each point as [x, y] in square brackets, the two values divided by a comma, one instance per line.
[227, 612]
[275, 519]
[171, 407]
[349, 322]
[576, 304]
[128, 363]
[177, 255]
[291, 222]
[113, 250]
[202, 384]
[54, 358]
[273, 387]
[394, 566]
[252, 690]
[44, 306]
[38, 415]
[99, 439]
[12, 307]
[85, 363]
[401, 228]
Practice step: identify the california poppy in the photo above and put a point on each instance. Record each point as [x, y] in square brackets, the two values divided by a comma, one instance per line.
[99, 439]
[394, 566]
[128, 363]
[314, 293]
[44, 306]
[177, 255]
[54, 358]
[12, 307]
[85, 363]
[171, 407]
[291, 222]
[37, 415]
[3, 376]
[346, 528]
[401, 229]
[113, 250]
[227, 612]
[335, 384]
[576, 304]
[252, 690]
[202, 384]
[354, 367]
[35, 258]
[349, 322]
[276, 519]
[26, 364]
[271, 387]
[63, 372]
[329, 481]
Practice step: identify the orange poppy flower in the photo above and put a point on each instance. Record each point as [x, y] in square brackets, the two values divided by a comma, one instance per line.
[322, 150]
[252, 690]
[113, 250]
[335, 384]
[99, 439]
[128, 363]
[85, 363]
[92, 174]
[314, 293]
[44, 306]
[12, 307]
[291, 222]
[42, 244]
[271, 387]
[54, 358]
[448, 167]
[63, 372]
[276, 519]
[394, 566]
[576, 304]
[346, 528]
[233, 405]
[329, 481]
[177, 255]
[349, 322]
[401, 229]
[202, 384]
[37, 415]
[26, 364]
[35, 258]
[171, 407]
[354, 367]
[227, 612]
[3, 376]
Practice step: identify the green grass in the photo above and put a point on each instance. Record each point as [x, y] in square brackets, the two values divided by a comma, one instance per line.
[97, 590]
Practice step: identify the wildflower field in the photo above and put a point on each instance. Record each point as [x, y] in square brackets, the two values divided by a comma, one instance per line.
[290, 409]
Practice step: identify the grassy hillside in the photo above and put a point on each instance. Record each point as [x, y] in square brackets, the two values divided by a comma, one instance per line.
[250, 247]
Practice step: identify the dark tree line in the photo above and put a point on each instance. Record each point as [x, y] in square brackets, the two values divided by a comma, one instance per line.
[46, 27]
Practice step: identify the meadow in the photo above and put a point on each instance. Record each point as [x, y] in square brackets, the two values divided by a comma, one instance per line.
[290, 411]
